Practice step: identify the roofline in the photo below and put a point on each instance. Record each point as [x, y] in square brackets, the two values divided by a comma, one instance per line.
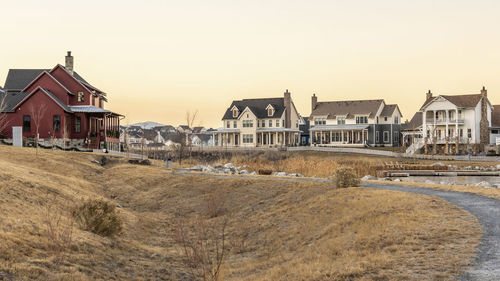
[444, 97]
[76, 80]
[30, 94]
[53, 78]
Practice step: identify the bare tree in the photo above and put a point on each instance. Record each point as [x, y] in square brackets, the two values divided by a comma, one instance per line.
[37, 114]
[204, 247]
[4, 122]
[191, 118]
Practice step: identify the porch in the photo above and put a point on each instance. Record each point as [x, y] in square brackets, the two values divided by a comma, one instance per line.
[103, 129]
[339, 135]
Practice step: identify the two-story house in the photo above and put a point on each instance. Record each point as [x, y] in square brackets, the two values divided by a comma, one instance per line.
[62, 107]
[354, 123]
[448, 121]
[266, 122]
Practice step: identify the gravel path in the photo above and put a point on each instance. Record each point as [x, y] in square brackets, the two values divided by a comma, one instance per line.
[486, 267]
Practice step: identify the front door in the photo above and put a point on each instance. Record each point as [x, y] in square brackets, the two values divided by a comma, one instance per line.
[236, 139]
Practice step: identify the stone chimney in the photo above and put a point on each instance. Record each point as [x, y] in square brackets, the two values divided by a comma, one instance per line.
[288, 107]
[484, 124]
[314, 102]
[69, 62]
[428, 95]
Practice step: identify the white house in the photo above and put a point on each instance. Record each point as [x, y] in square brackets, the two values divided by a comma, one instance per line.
[447, 121]
[266, 122]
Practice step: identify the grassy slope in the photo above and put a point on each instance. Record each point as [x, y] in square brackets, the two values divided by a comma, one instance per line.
[294, 231]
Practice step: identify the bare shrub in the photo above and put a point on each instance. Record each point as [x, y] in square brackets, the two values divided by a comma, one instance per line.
[346, 177]
[99, 217]
[215, 203]
[59, 226]
[204, 247]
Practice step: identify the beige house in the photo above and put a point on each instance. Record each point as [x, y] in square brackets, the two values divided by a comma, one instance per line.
[266, 122]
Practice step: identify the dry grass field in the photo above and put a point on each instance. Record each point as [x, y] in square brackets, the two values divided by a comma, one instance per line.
[276, 230]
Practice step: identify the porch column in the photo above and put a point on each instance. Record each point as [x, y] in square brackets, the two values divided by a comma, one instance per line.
[342, 136]
[268, 139]
[363, 136]
[352, 136]
[446, 122]
[456, 123]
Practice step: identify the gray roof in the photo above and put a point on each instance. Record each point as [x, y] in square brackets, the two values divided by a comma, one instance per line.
[88, 109]
[258, 107]
[57, 100]
[415, 122]
[12, 99]
[347, 108]
[18, 79]
[388, 110]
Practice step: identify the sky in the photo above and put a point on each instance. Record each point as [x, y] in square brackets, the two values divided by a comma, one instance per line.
[158, 60]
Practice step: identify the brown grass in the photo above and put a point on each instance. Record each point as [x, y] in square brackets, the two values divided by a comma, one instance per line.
[277, 230]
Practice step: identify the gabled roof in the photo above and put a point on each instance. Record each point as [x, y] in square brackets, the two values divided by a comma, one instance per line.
[258, 107]
[415, 122]
[389, 110]
[51, 77]
[465, 101]
[12, 99]
[348, 108]
[25, 96]
[18, 79]
[495, 116]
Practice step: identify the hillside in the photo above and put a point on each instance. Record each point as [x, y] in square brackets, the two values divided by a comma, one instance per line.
[276, 230]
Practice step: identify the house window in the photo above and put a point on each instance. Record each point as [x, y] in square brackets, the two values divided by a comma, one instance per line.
[228, 124]
[270, 123]
[277, 123]
[396, 137]
[235, 124]
[247, 138]
[26, 123]
[377, 119]
[247, 123]
[340, 120]
[78, 124]
[263, 123]
[270, 111]
[377, 136]
[100, 103]
[461, 132]
[319, 121]
[396, 120]
[386, 136]
[469, 133]
[494, 132]
[81, 97]
[385, 118]
[235, 112]
[56, 124]
[361, 119]
[93, 100]
[282, 123]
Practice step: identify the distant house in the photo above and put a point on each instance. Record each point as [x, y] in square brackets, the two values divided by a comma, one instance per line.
[184, 129]
[449, 121]
[199, 130]
[265, 122]
[202, 140]
[354, 123]
[495, 125]
[75, 115]
[304, 131]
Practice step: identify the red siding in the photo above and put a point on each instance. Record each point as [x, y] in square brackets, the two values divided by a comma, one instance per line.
[47, 82]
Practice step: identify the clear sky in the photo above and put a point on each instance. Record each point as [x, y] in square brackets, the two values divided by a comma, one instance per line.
[159, 59]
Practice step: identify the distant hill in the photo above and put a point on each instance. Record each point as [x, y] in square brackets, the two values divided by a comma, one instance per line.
[148, 124]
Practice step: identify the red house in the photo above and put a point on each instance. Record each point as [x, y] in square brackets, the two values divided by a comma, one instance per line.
[67, 110]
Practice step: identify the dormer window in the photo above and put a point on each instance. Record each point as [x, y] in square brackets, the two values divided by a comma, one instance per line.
[81, 97]
[270, 110]
[235, 111]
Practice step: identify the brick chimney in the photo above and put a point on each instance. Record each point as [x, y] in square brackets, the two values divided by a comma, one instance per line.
[484, 92]
[69, 62]
[484, 124]
[288, 106]
[428, 95]
[314, 102]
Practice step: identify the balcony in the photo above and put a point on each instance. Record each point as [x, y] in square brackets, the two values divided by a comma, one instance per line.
[444, 121]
